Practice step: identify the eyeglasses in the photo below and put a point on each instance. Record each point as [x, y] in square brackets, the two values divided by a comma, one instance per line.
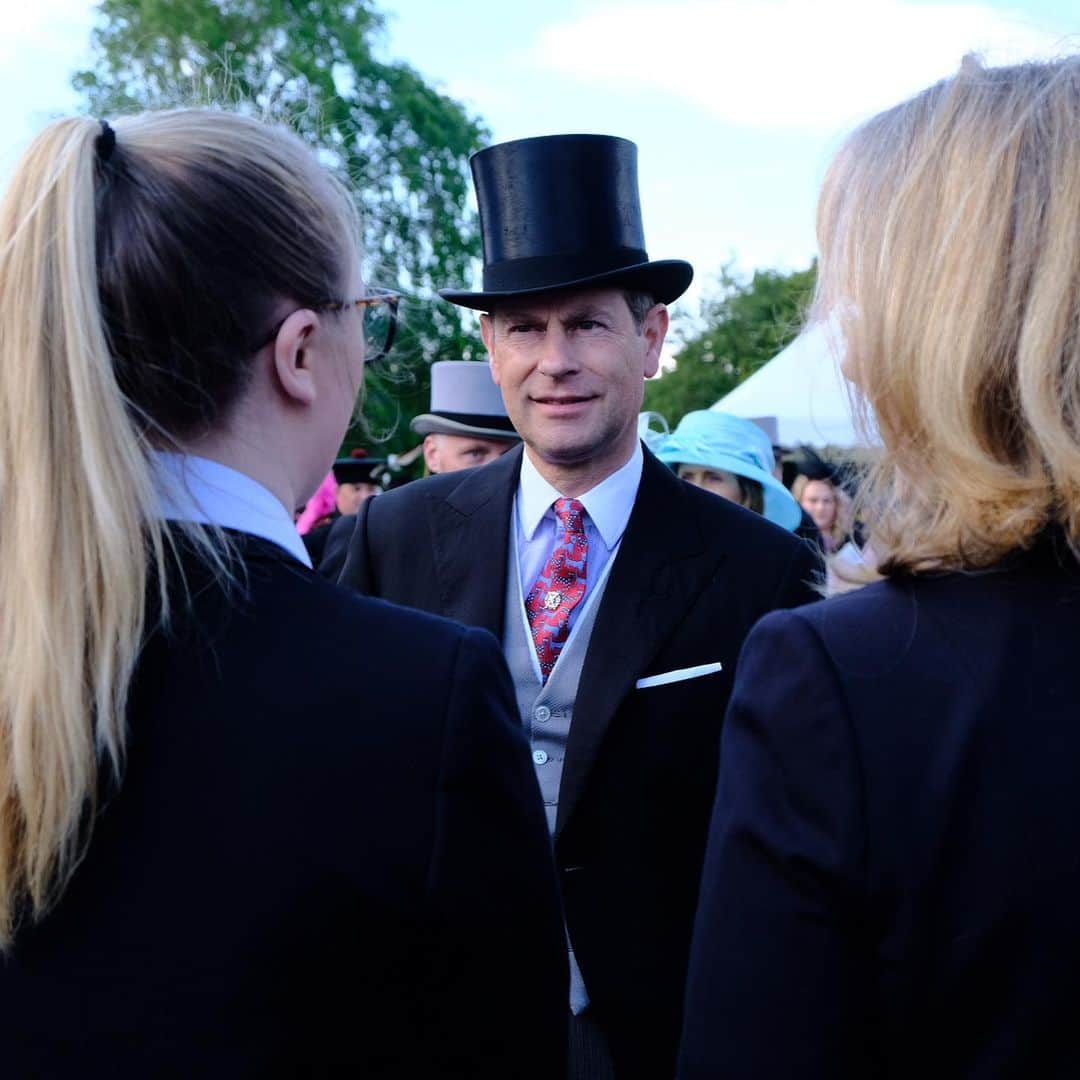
[378, 308]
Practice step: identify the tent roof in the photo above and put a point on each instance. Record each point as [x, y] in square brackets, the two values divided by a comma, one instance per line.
[803, 389]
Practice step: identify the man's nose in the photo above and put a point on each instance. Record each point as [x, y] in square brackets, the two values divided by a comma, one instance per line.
[558, 355]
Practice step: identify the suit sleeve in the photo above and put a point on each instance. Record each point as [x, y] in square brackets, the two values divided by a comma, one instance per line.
[493, 888]
[336, 547]
[347, 558]
[780, 976]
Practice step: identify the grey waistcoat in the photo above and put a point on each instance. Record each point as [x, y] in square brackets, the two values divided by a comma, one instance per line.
[547, 711]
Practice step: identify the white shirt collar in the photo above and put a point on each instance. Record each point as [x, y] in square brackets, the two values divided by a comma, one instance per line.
[608, 504]
[197, 489]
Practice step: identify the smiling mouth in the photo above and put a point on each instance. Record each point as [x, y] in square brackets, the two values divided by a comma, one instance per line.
[569, 400]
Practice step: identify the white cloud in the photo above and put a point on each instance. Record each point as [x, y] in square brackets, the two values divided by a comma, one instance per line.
[786, 63]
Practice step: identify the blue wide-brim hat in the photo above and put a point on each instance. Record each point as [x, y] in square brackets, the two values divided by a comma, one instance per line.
[717, 440]
[561, 212]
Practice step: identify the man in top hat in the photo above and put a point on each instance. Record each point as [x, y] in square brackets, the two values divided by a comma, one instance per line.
[467, 424]
[466, 427]
[621, 594]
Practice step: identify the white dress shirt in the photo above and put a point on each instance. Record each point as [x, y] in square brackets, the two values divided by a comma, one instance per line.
[607, 512]
[206, 492]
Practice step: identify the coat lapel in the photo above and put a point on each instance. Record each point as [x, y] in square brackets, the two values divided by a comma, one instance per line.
[470, 539]
[661, 567]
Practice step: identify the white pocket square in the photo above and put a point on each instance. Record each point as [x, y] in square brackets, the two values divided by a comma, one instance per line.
[680, 675]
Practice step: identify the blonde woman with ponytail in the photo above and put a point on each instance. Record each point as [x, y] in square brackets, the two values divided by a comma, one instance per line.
[206, 867]
[893, 877]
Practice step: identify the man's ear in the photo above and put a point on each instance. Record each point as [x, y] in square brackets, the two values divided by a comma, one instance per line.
[654, 331]
[431, 453]
[292, 356]
[487, 332]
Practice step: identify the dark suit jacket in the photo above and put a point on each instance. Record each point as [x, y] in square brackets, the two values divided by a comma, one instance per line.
[893, 876]
[328, 857]
[315, 539]
[692, 575]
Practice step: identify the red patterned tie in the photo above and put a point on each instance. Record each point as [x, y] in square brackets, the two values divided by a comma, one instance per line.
[560, 586]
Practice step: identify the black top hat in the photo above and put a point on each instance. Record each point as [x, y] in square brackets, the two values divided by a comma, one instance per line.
[562, 211]
[358, 468]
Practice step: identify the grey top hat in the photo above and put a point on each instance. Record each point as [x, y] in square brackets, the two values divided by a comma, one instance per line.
[465, 401]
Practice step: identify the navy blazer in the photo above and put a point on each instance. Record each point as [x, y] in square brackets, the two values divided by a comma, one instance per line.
[693, 574]
[327, 857]
[892, 884]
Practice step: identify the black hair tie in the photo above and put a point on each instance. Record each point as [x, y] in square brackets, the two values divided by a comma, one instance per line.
[106, 142]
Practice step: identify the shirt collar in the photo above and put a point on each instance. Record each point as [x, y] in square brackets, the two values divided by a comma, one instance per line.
[608, 504]
[206, 492]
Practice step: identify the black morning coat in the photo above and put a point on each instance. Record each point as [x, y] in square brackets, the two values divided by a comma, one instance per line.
[892, 886]
[692, 575]
[327, 857]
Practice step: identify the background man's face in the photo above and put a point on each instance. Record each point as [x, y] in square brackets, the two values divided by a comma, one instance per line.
[350, 497]
[448, 453]
[572, 366]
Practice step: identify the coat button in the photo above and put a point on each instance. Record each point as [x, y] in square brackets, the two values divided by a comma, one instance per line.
[539, 757]
[543, 714]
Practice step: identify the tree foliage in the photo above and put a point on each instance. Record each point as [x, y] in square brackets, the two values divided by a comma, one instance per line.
[741, 325]
[401, 144]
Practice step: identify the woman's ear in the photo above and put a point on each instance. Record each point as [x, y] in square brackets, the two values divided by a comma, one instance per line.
[291, 363]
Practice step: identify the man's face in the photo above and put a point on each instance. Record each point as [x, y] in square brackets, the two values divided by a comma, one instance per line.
[350, 497]
[571, 367]
[449, 453]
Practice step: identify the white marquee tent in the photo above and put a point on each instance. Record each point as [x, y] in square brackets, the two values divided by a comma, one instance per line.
[802, 388]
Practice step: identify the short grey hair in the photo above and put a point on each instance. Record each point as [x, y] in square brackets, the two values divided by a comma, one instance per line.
[640, 304]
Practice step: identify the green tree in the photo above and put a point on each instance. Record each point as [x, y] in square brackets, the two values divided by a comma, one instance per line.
[401, 144]
[741, 325]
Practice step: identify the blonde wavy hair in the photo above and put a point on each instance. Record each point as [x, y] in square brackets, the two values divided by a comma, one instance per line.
[950, 261]
[138, 281]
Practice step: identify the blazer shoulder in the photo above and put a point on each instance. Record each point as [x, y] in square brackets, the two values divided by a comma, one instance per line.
[717, 517]
[735, 520]
[464, 488]
[866, 633]
[329, 611]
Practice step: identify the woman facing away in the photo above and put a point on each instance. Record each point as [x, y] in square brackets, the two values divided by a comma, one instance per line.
[239, 836]
[893, 876]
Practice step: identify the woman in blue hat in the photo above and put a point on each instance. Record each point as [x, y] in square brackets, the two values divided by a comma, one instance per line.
[730, 457]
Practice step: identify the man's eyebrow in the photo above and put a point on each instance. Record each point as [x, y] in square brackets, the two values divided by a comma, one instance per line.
[586, 311]
[518, 315]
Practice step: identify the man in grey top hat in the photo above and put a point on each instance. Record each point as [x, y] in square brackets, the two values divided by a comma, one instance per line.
[467, 424]
[621, 594]
[466, 427]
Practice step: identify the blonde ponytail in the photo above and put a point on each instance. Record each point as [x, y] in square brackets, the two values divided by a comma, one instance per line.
[137, 286]
[78, 530]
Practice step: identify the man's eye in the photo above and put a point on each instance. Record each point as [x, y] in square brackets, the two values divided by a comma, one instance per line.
[521, 328]
[589, 324]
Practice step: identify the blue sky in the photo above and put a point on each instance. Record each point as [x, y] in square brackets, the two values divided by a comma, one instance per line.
[736, 105]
